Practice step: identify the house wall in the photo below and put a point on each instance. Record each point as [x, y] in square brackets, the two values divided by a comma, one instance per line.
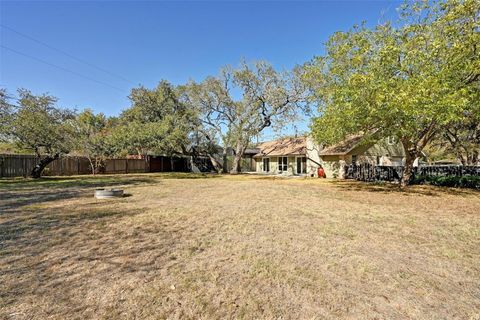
[387, 154]
[381, 148]
[274, 166]
[247, 163]
[331, 165]
[313, 157]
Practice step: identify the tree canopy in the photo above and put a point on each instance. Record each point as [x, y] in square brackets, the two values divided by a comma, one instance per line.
[91, 137]
[408, 80]
[267, 98]
[35, 123]
[156, 122]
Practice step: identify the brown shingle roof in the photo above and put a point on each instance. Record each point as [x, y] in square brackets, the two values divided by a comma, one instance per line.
[343, 147]
[283, 147]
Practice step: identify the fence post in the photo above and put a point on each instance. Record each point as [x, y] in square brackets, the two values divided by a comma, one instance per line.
[126, 166]
[24, 169]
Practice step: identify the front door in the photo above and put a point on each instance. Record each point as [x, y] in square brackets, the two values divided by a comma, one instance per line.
[301, 165]
[266, 165]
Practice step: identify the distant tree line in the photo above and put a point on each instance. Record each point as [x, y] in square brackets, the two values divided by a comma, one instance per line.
[169, 120]
[417, 79]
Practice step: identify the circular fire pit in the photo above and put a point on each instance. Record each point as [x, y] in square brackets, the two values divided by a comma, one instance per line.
[108, 193]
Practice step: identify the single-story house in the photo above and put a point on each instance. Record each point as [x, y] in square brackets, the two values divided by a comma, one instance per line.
[386, 152]
[287, 156]
[302, 156]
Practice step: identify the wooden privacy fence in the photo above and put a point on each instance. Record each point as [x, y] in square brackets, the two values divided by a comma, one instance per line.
[125, 166]
[14, 165]
[369, 172]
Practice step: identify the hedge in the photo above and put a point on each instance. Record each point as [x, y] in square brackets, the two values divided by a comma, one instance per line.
[466, 181]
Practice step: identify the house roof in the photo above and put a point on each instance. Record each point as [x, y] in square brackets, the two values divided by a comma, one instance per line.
[343, 147]
[252, 151]
[283, 147]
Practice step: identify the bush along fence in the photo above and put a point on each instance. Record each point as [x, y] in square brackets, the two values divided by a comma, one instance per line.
[451, 176]
[14, 165]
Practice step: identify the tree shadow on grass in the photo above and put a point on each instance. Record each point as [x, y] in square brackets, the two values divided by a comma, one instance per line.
[391, 188]
[11, 184]
[45, 221]
[74, 181]
[53, 252]
[32, 192]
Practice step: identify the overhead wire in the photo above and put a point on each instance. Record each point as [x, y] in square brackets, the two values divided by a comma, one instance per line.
[60, 67]
[83, 61]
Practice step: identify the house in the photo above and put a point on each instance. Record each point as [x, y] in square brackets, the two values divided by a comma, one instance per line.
[288, 156]
[302, 156]
[352, 150]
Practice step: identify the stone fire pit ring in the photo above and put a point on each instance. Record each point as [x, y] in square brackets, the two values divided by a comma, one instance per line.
[108, 193]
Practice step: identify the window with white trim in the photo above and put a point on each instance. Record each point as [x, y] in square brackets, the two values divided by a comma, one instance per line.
[282, 164]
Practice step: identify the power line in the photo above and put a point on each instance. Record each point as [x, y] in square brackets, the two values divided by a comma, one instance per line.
[66, 53]
[61, 68]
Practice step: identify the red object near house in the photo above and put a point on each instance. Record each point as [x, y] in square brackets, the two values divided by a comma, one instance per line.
[321, 173]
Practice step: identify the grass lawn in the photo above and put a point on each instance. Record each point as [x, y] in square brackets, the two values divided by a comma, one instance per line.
[213, 247]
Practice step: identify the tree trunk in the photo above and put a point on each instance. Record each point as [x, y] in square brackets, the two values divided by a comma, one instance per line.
[407, 169]
[38, 169]
[474, 159]
[413, 150]
[239, 150]
[92, 166]
[216, 164]
[225, 161]
[98, 164]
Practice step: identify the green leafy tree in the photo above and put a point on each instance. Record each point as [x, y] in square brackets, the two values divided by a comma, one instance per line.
[38, 125]
[156, 122]
[409, 81]
[6, 110]
[90, 136]
[462, 138]
[268, 98]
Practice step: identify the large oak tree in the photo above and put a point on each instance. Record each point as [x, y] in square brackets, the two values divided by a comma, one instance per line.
[36, 124]
[240, 103]
[157, 121]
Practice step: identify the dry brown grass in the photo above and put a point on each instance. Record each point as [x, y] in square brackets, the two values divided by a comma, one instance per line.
[237, 247]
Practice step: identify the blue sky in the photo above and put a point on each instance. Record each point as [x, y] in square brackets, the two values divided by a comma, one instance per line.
[144, 42]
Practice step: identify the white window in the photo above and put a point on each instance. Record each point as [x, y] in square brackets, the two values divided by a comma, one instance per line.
[282, 164]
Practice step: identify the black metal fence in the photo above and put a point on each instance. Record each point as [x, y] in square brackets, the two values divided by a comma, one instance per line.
[369, 172]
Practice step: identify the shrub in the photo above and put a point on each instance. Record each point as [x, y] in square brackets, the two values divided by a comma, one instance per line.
[467, 181]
